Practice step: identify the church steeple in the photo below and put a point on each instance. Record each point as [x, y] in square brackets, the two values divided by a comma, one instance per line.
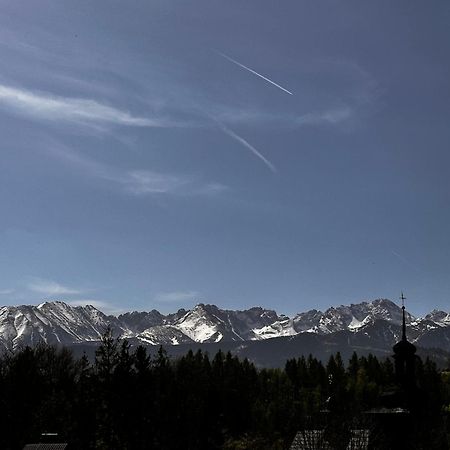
[403, 298]
[404, 355]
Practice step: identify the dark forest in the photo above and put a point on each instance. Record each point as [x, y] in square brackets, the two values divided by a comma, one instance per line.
[126, 399]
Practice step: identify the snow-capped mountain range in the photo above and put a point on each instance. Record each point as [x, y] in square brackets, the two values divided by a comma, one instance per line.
[57, 322]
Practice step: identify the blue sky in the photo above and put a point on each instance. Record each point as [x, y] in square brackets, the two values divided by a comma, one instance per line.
[146, 163]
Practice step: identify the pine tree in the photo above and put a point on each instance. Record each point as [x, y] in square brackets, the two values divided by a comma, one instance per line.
[106, 360]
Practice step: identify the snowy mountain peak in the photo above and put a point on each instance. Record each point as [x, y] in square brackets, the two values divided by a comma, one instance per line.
[440, 317]
[53, 323]
[351, 317]
[57, 322]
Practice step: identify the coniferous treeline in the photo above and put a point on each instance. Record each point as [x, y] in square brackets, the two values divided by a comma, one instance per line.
[129, 400]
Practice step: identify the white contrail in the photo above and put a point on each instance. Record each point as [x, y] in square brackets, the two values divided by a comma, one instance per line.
[255, 73]
[249, 146]
[407, 262]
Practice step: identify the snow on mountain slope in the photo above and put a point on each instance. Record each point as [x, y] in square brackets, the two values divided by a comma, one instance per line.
[140, 321]
[208, 323]
[441, 318]
[163, 335]
[350, 317]
[58, 322]
[282, 327]
[52, 323]
[307, 321]
[247, 323]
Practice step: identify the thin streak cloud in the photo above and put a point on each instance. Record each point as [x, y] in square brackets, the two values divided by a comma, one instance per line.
[49, 107]
[103, 306]
[6, 291]
[254, 117]
[406, 261]
[331, 117]
[49, 287]
[246, 144]
[255, 73]
[141, 182]
[176, 296]
[137, 182]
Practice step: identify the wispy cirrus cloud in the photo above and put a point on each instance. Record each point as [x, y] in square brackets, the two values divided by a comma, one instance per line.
[362, 87]
[50, 287]
[49, 107]
[6, 291]
[355, 94]
[142, 182]
[176, 296]
[92, 113]
[102, 305]
[332, 116]
[137, 182]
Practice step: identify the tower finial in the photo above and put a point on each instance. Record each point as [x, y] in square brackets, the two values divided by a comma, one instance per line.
[403, 298]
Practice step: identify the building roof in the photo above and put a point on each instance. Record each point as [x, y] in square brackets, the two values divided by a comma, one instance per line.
[309, 440]
[315, 440]
[45, 446]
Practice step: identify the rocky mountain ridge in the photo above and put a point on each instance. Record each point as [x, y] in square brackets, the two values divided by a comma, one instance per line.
[58, 322]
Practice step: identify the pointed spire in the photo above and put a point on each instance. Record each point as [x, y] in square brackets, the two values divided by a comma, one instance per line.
[403, 298]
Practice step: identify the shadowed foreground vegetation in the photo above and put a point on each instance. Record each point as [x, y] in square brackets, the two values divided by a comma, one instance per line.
[129, 400]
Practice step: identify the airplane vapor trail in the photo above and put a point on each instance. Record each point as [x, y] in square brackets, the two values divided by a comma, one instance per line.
[249, 146]
[254, 72]
[404, 260]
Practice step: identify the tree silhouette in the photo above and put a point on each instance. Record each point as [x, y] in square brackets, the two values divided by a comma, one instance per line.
[128, 399]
